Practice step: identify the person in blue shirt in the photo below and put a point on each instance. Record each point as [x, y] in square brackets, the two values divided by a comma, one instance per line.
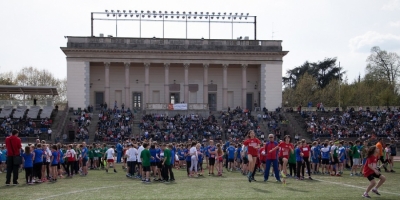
[238, 157]
[200, 156]
[188, 159]
[231, 156]
[181, 156]
[61, 163]
[173, 157]
[3, 154]
[325, 152]
[84, 153]
[207, 154]
[55, 159]
[315, 157]
[299, 161]
[119, 151]
[153, 161]
[38, 162]
[28, 164]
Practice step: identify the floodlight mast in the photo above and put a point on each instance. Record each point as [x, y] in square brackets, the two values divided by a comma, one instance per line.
[179, 17]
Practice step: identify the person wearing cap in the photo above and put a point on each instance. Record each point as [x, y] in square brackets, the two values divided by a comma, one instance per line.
[272, 158]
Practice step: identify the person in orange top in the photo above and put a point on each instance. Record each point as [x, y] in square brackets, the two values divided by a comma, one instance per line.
[379, 146]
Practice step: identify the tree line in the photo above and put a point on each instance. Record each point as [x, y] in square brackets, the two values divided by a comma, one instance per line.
[30, 76]
[325, 81]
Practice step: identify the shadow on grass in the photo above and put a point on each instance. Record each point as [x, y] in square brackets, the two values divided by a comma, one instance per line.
[261, 190]
[296, 190]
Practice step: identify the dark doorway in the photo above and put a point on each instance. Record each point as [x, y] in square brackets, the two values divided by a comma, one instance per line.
[174, 98]
[99, 99]
[212, 101]
[249, 101]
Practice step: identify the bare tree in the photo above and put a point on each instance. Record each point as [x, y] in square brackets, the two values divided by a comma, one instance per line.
[384, 65]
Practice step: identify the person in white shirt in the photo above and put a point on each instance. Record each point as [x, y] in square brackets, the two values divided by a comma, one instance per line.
[110, 158]
[139, 161]
[194, 160]
[131, 154]
[49, 131]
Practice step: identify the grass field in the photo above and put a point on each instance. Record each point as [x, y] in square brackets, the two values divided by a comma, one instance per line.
[232, 185]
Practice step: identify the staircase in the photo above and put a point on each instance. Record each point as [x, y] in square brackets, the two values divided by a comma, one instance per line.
[93, 125]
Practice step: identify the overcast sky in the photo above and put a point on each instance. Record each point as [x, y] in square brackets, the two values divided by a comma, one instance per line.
[32, 32]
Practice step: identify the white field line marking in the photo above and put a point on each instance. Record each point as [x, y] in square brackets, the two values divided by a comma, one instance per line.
[353, 186]
[99, 188]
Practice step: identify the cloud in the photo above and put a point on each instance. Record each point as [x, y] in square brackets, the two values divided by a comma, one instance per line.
[364, 43]
[395, 24]
[392, 5]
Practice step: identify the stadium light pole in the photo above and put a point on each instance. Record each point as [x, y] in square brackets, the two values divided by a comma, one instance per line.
[179, 17]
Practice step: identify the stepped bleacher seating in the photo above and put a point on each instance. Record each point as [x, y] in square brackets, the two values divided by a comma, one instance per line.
[46, 112]
[33, 112]
[6, 111]
[20, 112]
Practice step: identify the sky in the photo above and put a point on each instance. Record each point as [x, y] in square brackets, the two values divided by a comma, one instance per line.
[32, 31]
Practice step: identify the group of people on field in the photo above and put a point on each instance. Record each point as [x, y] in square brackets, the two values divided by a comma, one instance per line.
[144, 159]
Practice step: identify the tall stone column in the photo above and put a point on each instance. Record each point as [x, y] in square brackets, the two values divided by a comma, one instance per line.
[146, 84]
[166, 83]
[205, 82]
[186, 85]
[107, 83]
[225, 87]
[127, 85]
[244, 85]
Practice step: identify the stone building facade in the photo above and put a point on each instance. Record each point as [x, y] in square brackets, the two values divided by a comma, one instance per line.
[150, 73]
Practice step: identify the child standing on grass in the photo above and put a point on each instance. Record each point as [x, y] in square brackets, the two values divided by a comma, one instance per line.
[371, 172]
[55, 158]
[220, 159]
[110, 158]
[28, 164]
[200, 154]
[145, 157]
[38, 162]
[292, 164]
[299, 162]
[194, 160]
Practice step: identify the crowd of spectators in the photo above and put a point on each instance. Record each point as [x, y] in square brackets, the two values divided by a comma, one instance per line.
[360, 123]
[114, 124]
[27, 127]
[179, 128]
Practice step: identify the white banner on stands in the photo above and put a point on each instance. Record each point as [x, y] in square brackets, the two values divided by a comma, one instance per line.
[180, 106]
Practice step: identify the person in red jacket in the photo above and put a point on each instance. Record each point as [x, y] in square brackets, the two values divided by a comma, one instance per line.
[271, 158]
[13, 144]
[371, 171]
[285, 146]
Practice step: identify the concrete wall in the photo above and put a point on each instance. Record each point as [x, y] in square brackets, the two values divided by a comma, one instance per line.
[271, 85]
[176, 72]
[78, 83]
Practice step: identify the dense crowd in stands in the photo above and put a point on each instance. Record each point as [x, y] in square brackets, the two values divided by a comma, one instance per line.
[233, 123]
[114, 124]
[26, 126]
[360, 123]
[179, 127]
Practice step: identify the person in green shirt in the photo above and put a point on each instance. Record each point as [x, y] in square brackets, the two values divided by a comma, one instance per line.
[91, 156]
[97, 156]
[166, 163]
[355, 151]
[145, 157]
[292, 163]
[103, 155]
